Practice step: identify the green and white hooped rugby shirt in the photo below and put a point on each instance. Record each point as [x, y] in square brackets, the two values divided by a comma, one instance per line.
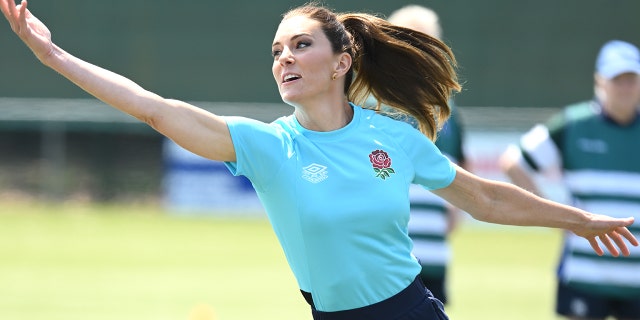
[600, 161]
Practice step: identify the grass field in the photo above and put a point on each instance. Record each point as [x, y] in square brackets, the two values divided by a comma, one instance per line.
[136, 262]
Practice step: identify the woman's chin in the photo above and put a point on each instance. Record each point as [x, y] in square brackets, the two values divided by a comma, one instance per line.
[289, 99]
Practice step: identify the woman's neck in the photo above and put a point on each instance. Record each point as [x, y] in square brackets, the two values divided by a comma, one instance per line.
[324, 117]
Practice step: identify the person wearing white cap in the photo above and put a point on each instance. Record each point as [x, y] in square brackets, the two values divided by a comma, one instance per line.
[596, 146]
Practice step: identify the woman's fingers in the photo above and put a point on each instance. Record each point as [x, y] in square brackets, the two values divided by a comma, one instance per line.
[617, 238]
[614, 241]
[607, 243]
[7, 7]
[22, 16]
[14, 15]
[612, 237]
[596, 247]
[623, 231]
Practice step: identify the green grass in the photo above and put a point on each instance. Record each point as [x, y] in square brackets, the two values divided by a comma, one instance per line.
[503, 272]
[136, 262]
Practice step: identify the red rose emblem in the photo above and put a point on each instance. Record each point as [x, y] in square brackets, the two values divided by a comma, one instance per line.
[380, 159]
[381, 164]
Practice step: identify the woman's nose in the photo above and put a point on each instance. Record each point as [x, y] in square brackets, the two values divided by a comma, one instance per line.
[286, 57]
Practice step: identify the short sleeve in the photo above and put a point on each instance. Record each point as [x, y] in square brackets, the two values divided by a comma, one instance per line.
[260, 149]
[433, 170]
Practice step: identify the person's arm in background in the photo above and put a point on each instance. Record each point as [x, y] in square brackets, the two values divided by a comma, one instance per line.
[538, 151]
[512, 164]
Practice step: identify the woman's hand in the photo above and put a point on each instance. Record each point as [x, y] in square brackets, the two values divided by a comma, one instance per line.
[30, 30]
[609, 231]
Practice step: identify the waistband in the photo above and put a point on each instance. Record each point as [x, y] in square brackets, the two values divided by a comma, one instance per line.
[398, 304]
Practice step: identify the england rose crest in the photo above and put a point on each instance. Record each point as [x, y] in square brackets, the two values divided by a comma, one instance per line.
[381, 164]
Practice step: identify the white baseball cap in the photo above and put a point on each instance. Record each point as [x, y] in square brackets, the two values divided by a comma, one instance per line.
[617, 57]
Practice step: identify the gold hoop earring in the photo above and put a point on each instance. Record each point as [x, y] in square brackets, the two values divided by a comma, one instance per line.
[334, 76]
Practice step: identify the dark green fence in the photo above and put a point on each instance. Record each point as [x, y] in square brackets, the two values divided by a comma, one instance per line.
[511, 53]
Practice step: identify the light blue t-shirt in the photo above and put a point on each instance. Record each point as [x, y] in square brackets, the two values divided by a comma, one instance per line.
[338, 201]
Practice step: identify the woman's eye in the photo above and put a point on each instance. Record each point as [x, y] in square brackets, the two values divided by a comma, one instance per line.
[300, 45]
[303, 44]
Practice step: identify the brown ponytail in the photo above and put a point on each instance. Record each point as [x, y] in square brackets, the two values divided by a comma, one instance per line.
[402, 68]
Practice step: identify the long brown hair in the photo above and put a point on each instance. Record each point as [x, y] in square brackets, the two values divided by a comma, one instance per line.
[400, 67]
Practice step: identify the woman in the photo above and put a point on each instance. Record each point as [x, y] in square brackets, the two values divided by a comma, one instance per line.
[332, 176]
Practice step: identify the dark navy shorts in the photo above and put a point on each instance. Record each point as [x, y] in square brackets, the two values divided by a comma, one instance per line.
[413, 303]
[437, 286]
[573, 302]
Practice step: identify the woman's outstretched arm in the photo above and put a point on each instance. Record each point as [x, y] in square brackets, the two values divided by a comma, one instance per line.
[504, 203]
[193, 128]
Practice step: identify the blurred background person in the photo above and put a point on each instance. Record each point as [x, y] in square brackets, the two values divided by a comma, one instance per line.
[432, 218]
[595, 145]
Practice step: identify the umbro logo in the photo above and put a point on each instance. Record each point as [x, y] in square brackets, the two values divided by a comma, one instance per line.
[314, 173]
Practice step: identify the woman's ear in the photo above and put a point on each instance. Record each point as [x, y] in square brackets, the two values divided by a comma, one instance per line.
[343, 64]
